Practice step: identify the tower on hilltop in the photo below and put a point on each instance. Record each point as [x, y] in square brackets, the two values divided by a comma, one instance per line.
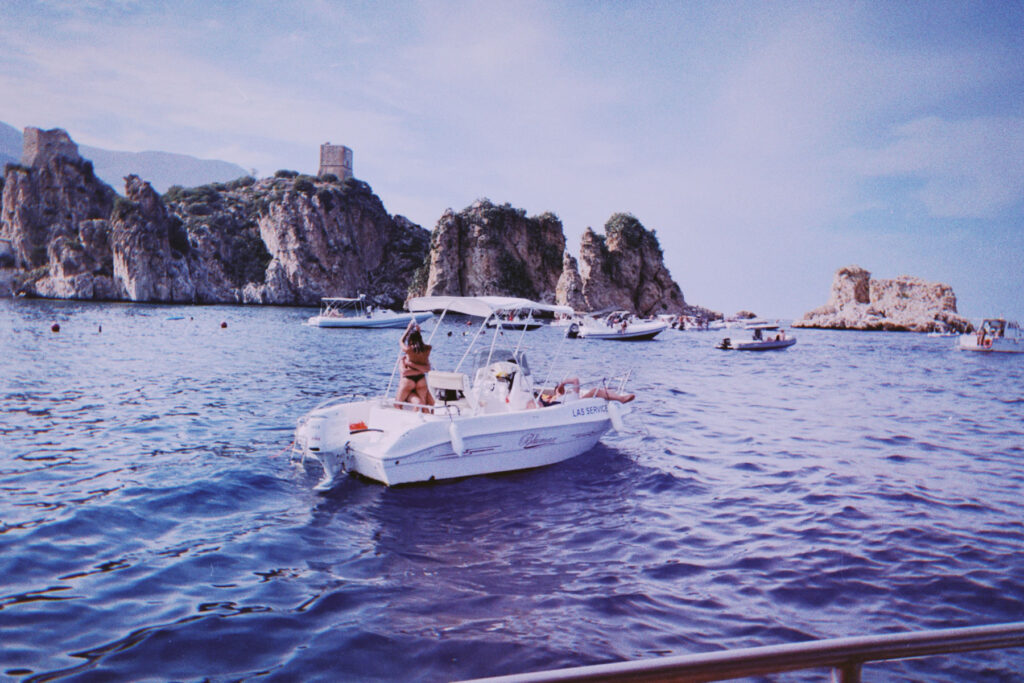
[336, 159]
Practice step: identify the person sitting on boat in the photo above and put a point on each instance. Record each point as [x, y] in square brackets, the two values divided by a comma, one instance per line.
[412, 388]
[757, 334]
[545, 399]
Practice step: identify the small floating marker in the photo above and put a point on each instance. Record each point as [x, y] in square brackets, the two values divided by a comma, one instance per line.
[99, 328]
[55, 327]
[223, 325]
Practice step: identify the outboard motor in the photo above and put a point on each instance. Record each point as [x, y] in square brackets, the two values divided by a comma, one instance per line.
[573, 332]
[314, 429]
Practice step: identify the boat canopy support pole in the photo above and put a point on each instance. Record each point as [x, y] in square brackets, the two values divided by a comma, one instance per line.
[472, 342]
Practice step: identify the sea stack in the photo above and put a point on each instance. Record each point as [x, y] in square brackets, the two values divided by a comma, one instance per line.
[904, 303]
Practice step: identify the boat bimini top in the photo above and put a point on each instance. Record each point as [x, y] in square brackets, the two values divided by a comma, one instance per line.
[482, 306]
[485, 307]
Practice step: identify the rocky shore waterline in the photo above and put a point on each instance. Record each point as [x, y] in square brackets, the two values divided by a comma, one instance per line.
[905, 304]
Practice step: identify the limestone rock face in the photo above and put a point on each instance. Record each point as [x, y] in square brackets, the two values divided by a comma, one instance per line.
[625, 269]
[494, 250]
[149, 249]
[53, 221]
[569, 291]
[286, 240]
[905, 303]
[487, 249]
[332, 240]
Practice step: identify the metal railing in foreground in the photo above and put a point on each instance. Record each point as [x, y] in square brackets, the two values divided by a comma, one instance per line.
[845, 656]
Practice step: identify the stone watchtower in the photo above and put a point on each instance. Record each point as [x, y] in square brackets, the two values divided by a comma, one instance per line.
[39, 146]
[336, 159]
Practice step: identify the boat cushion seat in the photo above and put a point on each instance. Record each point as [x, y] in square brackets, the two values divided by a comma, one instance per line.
[448, 386]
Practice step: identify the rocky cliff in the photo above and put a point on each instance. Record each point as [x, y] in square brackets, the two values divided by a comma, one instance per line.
[858, 302]
[293, 239]
[487, 249]
[625, 269]
[290, 239]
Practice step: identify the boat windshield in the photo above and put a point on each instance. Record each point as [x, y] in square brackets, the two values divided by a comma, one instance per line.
[485, 357]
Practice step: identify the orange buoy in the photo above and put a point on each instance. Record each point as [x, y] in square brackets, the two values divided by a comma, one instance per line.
[55, 327]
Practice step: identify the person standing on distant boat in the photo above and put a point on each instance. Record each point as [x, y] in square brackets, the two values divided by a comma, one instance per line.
[415, 365]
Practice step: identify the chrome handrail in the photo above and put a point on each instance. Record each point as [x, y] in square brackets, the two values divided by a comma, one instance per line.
[845, 656]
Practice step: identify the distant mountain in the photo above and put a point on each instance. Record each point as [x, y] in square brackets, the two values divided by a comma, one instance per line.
[10, 144]
[161, 169]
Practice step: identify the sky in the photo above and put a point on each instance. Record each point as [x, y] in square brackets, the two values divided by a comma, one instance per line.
[767, 144]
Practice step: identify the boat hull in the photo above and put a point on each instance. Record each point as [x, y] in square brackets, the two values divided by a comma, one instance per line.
[767, 345]
[515, 325]
[969, 342]
[412, 447]
[638, 332]
[383, 320]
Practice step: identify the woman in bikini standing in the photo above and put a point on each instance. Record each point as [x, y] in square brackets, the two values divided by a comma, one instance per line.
[415, 365]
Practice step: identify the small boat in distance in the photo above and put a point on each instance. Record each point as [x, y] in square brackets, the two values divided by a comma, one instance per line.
[490, 414]
[760, 341]
[344, 312]
[527, 323]
[617, 326]
[513, 313]
[995, 335]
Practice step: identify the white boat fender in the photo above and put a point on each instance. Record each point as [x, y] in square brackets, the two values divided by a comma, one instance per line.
[615, 413]
[458, 444]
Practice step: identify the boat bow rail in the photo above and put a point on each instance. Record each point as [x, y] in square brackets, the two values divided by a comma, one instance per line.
[845, 656]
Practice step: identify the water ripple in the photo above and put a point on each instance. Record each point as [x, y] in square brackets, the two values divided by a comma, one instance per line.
[151, 526]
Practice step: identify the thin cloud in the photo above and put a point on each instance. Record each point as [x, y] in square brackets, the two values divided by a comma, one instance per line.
[972, 168]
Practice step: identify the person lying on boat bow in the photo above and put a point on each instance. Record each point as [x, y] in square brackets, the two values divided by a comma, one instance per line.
[545, 399]
[415, 365]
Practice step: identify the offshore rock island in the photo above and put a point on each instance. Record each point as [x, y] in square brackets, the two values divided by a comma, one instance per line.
[292, 239]
[905, 304]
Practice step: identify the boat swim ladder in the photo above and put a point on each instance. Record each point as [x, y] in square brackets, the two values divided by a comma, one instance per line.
[845, 656]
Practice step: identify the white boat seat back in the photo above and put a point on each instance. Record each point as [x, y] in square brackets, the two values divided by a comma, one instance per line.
[448, 386]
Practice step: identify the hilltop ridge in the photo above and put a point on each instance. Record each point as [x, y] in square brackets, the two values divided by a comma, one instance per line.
[293, 239]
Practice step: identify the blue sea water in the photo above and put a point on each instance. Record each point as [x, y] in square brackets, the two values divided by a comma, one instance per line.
[153, 524]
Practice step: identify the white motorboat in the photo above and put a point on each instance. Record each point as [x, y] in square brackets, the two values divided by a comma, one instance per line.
[995, 335]
[618, 326]
[512, 316]
[527, 323]
[487, 418]
[765, 337]
[345, 312]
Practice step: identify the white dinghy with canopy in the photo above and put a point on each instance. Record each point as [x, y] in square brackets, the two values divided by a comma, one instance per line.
[338, 311]
[487, 417]
[619, 326]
